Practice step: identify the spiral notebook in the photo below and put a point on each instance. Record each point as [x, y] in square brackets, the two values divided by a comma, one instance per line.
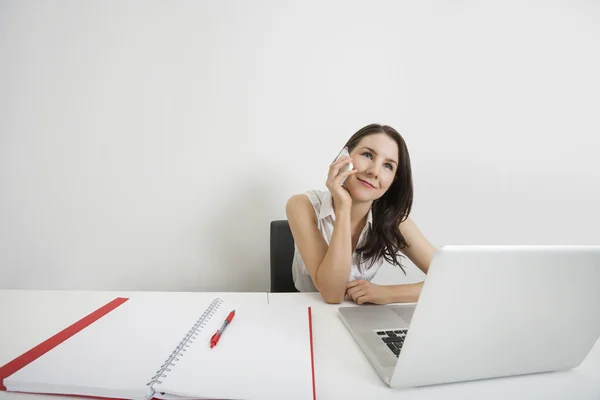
[144, 348]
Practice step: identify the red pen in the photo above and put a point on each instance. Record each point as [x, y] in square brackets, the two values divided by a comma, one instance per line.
[215, 338]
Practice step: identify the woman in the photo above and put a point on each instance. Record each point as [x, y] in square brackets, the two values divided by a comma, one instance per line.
[342, 236]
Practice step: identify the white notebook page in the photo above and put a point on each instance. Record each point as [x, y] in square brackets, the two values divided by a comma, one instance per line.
[116, 355]
[263, 354]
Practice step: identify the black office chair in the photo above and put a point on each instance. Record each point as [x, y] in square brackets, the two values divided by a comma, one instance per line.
[282, 255]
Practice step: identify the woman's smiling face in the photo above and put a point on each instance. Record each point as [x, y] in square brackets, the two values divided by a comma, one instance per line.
[375, 157]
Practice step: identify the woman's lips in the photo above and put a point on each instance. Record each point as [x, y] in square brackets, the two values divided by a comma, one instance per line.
[365, 183]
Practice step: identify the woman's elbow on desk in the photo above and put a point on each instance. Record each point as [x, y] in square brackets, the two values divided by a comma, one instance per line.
[332, 299]
[330, 293]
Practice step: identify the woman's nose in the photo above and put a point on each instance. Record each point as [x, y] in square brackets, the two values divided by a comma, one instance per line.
[373, 170]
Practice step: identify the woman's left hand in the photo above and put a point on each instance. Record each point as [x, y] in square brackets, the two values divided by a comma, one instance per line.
[362, 291]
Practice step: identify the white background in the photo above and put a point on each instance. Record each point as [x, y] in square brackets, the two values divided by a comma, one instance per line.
[148, 144]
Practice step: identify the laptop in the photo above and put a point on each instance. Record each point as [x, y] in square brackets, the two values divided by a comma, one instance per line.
[486, 312]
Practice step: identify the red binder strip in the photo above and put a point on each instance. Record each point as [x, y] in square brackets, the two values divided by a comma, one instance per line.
[312, 354]
[44, 347]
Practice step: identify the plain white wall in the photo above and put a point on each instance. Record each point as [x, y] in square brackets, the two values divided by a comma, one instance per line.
[148, 144]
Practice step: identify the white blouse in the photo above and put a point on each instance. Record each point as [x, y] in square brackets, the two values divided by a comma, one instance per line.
[322, 202]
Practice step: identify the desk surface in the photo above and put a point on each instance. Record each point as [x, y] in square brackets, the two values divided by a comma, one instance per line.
[342, 371]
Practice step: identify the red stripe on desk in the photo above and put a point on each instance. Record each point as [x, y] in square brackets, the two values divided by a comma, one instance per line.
[44, 347]
[312, 353]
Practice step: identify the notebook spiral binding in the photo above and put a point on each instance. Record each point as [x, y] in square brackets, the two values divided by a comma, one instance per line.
[185, 342]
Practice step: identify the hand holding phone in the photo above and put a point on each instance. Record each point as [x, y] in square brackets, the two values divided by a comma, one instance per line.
[339, 170]
[347, 167]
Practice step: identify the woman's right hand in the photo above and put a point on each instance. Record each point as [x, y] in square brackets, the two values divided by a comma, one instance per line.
[340, 194]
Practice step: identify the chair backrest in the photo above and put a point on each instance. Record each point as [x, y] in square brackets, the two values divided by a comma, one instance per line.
[282, 255]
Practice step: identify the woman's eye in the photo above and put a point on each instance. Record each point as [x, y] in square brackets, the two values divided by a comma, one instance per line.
[388, 165]
[367, 154]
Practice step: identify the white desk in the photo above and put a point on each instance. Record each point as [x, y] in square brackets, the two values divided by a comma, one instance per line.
[28, 317]
[343, 372]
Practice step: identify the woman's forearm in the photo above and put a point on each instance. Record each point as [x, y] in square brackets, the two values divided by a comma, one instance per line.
[332, 274]
[407, 293]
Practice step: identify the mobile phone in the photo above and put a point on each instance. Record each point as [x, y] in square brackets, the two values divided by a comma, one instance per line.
[348, 167]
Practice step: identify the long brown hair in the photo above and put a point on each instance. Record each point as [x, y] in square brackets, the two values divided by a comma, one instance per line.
[385, 239]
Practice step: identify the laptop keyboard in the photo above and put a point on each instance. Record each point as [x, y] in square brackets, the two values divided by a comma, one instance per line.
[393, 339]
